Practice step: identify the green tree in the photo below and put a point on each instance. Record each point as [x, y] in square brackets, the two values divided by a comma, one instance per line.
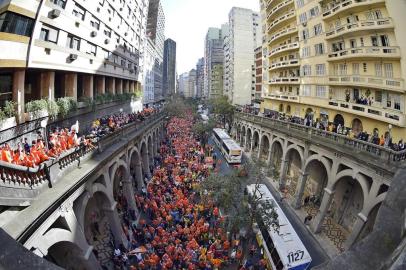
[223, 109]
[241, 210]
[203, 130]
[177, 107]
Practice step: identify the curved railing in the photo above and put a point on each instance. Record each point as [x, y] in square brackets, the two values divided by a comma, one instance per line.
[313, 134]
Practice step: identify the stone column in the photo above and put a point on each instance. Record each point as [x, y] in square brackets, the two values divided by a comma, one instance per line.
[88, 86]
[126, 87]
[139, 177]
[100, 85]
[71, 85]
[119, 86]
[47, 85]
[259, 149]
[18, 94]
[356, 230]
[115, 225]
[283, 172]
[111, 86]
[297, 203]
[325, 205]
[129, 193]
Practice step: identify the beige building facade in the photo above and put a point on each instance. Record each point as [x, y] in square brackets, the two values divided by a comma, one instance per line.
[339, 61]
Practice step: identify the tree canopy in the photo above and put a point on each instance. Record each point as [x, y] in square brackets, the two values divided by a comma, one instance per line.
[223, 108]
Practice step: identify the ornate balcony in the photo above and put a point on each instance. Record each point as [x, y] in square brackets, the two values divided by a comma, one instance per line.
[284, 48]
[283, 97]
[394, 84]
[282, 64]
[336, 7]
[281, 34]
[278, 7]
[289, 15]
[365, 52]
[284, 80]
[348, 28]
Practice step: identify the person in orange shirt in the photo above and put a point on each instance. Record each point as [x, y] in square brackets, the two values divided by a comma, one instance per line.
[6, 155]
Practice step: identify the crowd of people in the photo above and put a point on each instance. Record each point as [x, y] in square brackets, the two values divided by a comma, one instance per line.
[179, 228]
[32, 154]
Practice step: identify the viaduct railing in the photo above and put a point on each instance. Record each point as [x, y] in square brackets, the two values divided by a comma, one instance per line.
[358, 147]
[51, 171]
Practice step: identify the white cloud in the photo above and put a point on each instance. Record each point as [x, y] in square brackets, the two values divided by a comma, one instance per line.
[187, 22]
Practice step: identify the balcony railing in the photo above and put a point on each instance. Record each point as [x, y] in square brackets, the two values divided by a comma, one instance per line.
[285, 80]
[278, 7]
[368, 81]
[283, 96]
[282, 33]
[284, 48]
[290, 14]
[380, 155]
[337, 6]
[388, 52]
[282, 64]
[359, 26]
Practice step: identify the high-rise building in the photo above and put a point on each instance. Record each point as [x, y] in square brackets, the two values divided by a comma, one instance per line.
[77, 49]
[338, 62]
[257, 86]
[156, 32]
[169, 76]
[200, 78]
[183, 83]
[191, 89]
[244, 37]
[213, 66]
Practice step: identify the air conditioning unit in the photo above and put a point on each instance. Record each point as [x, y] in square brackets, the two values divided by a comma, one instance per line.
[93, 33]
[107, 41]
[55, 13]
[73, 57]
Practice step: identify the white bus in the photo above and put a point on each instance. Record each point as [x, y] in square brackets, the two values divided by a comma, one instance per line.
[231, 151]
[282, 249]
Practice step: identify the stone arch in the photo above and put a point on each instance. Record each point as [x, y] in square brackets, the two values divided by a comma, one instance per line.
[339, 119]
[281, 108]
[150, 149]
[144, 159]
[317, 172]
[67, 254]
[136, 169]
[288, 109]
[243, 136]
[265, 147]
[255, 140]
[238, 132]
[277, 154]
[294, 161]
[354, 175]
[249, 138]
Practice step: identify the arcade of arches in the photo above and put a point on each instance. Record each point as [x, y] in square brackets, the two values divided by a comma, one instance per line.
[335, 192]
[87, 227]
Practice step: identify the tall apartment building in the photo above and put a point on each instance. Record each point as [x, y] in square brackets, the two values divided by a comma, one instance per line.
[66, 48]
[339, 62]
[257, 85]
[156, 32]
[149, 74]
[200, 78]
[191, 89]
[169, 76]
[239, 45]
[213, 66]
[183, 83]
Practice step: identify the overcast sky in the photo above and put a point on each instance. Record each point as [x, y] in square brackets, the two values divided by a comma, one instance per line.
[187, 22]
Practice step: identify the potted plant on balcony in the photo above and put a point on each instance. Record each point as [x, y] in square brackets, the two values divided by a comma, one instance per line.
[66, 105]
[36, 109]
[7, 115]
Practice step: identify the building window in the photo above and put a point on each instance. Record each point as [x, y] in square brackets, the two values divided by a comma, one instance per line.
[319, 48]
[320, 69]
[343, 69]
[106, 54]
[313, 12]
[303, 17]
[49, 34]
[355, 68]
[306, 90]
[107, 31]
[6, 88]
[307, 70]
[79, 12]
[16, 24]
[305, 34]
[318, 29]
[321, 91]
[374, 15]
[305, 51]
[388, 70]
[91, 49]
[300, 3]
[61, 3]
[73, 42]
[95, 23]
[378, 69]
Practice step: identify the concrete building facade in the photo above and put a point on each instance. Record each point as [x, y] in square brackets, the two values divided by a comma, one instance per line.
[191, 86]
[257, 85]
[239, 45]
[169, 76]
[338, 62]
[200, 78]
[78, 49]
[183, 83]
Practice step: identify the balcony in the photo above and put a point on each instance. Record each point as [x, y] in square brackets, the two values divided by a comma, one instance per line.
[281, 34]
[278, 7]
[365, 52]
[283, 97]
[359, 26]
[336, 7]
[378, 113]
[289, 15]
[284, 48]
[283, 64]
[284, 80]
[394, 84]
